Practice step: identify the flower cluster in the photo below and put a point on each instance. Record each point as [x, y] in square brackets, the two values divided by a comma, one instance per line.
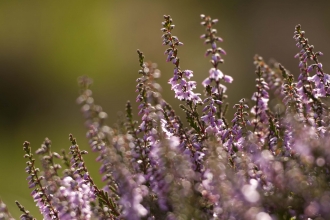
[260, 109]
[261, 164]
[182, 87]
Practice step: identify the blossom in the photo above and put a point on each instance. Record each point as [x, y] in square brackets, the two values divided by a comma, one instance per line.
[183, 89]
[210, 166]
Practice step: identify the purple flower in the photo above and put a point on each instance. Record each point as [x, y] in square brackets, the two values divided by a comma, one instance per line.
[261, 98]
[183, 89]
[73, 199]
[216, 90]
[228, 79]
[213, 125]
[207, 167]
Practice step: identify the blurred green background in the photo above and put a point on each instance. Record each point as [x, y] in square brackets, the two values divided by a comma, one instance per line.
[46, 45]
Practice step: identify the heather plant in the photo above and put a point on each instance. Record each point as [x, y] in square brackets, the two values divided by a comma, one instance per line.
[267, 162]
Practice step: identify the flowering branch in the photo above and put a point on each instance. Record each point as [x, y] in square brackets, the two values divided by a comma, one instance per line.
[271, 164]
[182, 87]
[39, 193]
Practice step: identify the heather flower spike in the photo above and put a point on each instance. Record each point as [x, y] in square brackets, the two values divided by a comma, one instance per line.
[85, 181]
[271, 74]
[270, 161]
[217, 91]
[39, 193]
[259, 110]
[50, 169]
[182, 87]
[320, 79]
[149, 98]
[180, 83]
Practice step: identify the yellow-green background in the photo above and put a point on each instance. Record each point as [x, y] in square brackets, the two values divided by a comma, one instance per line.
[46, 45]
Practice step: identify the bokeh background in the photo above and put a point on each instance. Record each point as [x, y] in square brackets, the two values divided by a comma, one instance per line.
[46, 45]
